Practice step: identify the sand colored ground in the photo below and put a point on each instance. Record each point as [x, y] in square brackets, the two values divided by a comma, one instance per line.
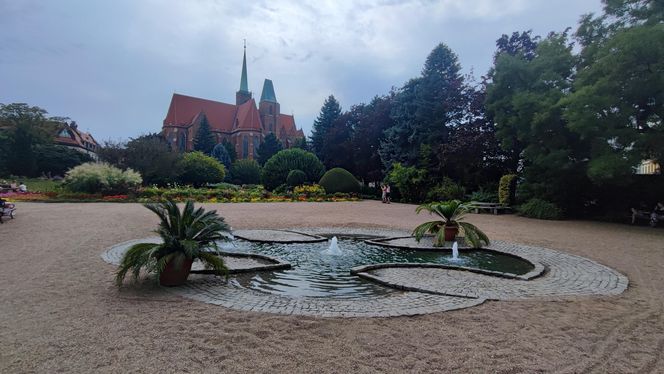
[60, 312]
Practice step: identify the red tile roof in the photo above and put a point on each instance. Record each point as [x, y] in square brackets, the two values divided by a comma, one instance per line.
[287, 124]
[248, 117]
[184, 109]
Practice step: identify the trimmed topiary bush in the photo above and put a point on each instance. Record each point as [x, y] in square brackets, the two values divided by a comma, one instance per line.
[102, 178]
[276, 169]
[507, 189]
[339, 180]
[246, 172]
[540, 209]
[197, 169]
[295, 178]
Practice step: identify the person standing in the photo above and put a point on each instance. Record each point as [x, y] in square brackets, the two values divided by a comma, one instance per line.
[388, 192]
[383, 193]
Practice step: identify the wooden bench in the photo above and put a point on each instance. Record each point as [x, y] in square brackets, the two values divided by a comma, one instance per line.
[7, 211]
[495, 208]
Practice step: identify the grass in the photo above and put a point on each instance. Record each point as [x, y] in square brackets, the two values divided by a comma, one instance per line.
[38, 184]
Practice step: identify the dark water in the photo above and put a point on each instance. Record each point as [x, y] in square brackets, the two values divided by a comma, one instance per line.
[316, 274]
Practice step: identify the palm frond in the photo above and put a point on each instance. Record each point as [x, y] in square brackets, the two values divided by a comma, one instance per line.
[475, 237]
[137, 256]
[215, 262]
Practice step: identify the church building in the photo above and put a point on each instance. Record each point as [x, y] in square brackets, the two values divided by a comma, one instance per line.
[244, 124]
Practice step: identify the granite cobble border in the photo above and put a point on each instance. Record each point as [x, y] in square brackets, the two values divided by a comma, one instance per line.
[423, 288]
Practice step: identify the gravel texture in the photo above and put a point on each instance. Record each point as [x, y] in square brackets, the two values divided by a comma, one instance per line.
[60, 311]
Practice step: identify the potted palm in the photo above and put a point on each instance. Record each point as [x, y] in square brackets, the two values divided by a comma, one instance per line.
[186, 235]
[451, 214]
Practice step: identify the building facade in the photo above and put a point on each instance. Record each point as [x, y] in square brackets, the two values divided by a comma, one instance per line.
[70, 136]
[243, 124]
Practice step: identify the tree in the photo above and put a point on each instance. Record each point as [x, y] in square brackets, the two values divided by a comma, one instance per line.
[268, 148]
[617, 103]
[198, 169]
[301, 143]
[27, 128]
[56, 159]
[220, 152]
[276, 169]
[367, 136]
[113, 152]
[524, 100]
[230, 149]
[204, 140]
[329, 112]
[152, 156]
[337, 149]
[425, 109]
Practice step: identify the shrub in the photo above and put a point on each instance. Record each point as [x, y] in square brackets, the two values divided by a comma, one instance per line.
[295, 178]
[276, 169]
[410, 181]
[246, 172]
[507, 189]
[447, 190]
[339, 180]
[484, 196]
[220, 153]
[309, 191]
[198, 169]
[540, 209]
[101, 178]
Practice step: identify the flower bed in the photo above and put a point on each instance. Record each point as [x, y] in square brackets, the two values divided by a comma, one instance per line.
[221, 194]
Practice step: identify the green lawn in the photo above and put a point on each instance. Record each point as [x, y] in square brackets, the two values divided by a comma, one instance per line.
[37, 184]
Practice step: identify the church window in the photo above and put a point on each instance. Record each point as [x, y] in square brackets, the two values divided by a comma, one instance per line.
[182, 144]
[245, 147]
[256, 146]
[270, 109]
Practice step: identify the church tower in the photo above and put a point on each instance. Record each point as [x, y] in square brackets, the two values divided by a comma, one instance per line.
[268, 108]
[243, 95]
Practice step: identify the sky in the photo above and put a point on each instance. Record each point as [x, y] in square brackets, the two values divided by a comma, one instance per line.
[112, 66]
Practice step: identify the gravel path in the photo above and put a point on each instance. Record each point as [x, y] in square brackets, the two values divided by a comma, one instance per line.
[60, 312]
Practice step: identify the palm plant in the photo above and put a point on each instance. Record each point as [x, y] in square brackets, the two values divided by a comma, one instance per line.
[186, 235]
[451, 214]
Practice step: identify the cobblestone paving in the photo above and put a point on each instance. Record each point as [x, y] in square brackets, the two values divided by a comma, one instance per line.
[439, 289]
[566, 275]
[277, 236]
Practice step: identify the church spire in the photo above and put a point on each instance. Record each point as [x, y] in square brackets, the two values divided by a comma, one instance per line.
[244, 86]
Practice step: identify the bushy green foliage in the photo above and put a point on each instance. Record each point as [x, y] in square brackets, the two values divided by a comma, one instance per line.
[447, 190]
[101, 178]
[189, 234]
[268, 148]
[507, 189]
[56, 160]
[152, 156]
[329, 112]
[197, 169]
[339, 180]
[204, 140]
[296, 178]
[410, 181]
[451, 214]
[220, 152]
[276, 169]
[246, 172]
[540, 209]
[484, 196]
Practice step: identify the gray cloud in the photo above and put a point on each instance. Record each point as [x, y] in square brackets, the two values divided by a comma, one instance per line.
[112, 66]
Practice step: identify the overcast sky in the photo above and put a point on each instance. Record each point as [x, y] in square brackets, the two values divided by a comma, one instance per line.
[112, 66]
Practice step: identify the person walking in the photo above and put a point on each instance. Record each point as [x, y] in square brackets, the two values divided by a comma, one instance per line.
[388, 191]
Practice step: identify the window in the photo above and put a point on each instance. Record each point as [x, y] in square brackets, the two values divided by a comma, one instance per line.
[64, 133]
[182, 144]
[256, 146]
[245, 147]
[270, 109]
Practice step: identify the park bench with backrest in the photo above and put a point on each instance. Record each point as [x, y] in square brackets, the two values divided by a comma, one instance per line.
[495, 208]
[7, 210]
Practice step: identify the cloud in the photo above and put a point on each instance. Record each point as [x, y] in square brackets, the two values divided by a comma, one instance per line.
[112, 66]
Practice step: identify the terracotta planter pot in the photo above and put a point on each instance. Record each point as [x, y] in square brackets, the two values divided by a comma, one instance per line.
[175, 276]
[451, 233]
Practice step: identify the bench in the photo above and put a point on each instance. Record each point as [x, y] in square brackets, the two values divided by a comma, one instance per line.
[7, 211]
[495, 208]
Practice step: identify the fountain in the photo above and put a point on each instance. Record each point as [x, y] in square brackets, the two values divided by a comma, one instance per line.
[455, 251]
[333, 249]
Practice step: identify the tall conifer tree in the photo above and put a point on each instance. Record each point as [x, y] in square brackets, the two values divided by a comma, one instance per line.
[204, 140]
[329, 112]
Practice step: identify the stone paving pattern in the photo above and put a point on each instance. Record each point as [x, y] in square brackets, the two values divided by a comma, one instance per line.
[566, 275]
[439, 289]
